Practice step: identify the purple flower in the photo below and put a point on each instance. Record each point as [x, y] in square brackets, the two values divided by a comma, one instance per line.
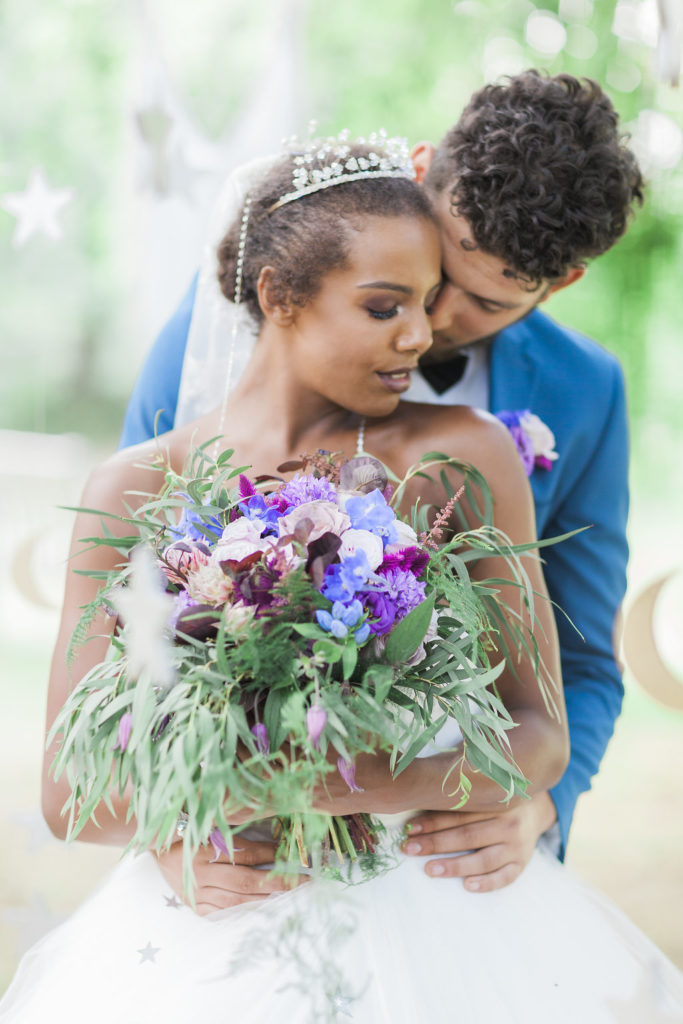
[316, 717]
[401, 593]
[303, 488]
[543, 462]
[347, 770]
[219, 844]
[524, 447]
[343, 581]
[371, 512]
[412, 559]
[382, 608]
[261, 735]
[246, 487]
[125, 726]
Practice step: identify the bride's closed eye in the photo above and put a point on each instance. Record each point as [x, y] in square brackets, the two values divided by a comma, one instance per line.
[383, 314]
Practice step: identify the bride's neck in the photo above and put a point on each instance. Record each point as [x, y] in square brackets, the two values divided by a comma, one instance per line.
[270, 393]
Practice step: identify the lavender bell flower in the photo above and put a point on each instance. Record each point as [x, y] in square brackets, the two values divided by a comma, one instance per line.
[125, 726]
[261, 735]
[219, 844]
[316, 717]
[347, 770]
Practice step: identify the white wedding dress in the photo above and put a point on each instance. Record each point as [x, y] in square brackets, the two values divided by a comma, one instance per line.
[401, 948]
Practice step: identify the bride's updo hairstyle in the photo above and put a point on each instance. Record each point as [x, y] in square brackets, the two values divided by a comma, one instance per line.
[304, 238]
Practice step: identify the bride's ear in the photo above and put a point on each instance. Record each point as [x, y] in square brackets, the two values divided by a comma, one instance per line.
[272, 305]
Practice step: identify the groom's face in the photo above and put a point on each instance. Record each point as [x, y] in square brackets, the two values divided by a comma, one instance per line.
[477, 299]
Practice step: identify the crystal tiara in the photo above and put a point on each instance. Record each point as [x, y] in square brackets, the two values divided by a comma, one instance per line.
[322, 162]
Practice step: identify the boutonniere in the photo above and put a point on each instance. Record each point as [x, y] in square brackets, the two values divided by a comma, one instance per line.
[534, 439]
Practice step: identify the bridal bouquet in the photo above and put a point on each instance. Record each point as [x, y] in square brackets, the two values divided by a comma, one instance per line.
[270, 632]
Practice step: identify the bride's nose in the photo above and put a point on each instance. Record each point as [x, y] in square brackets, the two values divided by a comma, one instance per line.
[417, 334]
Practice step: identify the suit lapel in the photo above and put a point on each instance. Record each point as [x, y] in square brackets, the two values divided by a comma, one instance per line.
[515, 375]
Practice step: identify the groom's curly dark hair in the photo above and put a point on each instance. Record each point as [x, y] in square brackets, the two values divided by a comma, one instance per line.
[539, 169]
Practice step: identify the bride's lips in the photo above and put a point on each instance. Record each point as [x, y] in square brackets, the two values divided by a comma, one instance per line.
[396, 380]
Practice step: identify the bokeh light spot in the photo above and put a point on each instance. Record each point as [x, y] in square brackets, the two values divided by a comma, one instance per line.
[545, 33]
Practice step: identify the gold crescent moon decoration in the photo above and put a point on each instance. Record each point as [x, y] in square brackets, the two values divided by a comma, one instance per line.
[640, 648]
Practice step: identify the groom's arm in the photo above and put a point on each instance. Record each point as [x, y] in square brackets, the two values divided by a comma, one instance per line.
[586, 577]
[156, 389]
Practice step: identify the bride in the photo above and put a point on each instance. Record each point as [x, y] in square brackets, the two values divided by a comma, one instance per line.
[341, 270]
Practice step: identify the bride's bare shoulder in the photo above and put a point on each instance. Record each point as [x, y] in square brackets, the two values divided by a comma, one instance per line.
[139, 469]
[459, 431]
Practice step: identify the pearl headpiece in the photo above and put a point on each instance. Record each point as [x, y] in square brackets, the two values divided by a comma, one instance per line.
[323, 162]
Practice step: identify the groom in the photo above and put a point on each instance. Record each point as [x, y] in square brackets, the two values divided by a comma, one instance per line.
[532, 181]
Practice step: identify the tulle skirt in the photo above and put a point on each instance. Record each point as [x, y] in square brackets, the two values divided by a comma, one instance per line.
[400, 948]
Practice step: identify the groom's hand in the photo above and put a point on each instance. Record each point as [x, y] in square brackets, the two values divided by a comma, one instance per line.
[221, 884]
[500, 845]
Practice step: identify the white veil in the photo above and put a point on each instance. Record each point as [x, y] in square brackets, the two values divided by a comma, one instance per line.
[207, 354]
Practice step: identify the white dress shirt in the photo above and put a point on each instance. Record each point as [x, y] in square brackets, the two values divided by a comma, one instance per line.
[471, 389]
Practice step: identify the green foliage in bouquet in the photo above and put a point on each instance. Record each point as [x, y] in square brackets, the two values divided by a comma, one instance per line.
[269, 632]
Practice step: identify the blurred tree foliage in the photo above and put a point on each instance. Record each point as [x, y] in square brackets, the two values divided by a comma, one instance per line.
[408, 65]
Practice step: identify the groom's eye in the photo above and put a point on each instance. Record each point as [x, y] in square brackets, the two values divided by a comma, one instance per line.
[487, 307]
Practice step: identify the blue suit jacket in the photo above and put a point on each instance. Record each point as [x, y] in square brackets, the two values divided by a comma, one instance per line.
[577, 388]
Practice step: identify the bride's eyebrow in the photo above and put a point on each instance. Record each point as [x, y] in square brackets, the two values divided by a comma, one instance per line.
[403, 289]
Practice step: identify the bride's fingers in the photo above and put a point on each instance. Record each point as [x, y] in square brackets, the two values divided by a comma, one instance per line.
[245, 881]
[211, 900]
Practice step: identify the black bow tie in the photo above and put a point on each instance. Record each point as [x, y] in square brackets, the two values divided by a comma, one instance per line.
[442, 376]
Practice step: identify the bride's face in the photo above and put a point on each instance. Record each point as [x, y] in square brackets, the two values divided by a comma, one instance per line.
[358, 340]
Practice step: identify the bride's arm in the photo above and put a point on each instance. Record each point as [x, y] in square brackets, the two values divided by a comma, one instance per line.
[539, 742]
[104, 491]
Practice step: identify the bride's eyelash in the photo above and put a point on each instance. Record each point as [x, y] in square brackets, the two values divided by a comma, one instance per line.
[383, 314]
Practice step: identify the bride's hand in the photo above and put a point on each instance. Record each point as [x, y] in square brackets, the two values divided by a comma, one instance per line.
[501, 844]
[221, 884]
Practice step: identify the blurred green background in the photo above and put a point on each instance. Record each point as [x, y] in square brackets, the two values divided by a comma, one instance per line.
[134, 112]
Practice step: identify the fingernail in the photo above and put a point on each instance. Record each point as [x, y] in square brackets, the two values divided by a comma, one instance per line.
[413, 828]
[413, 847]
[473, 884]
[436, 869]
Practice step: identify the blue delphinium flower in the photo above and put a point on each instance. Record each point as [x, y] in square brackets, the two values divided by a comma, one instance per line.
[370, 512]
[344, 580]
[256, 509]
[192, 526]
[340, 621]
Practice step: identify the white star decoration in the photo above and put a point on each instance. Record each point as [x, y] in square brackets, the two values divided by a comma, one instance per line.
[36, 208]
[342, 1005]
[148, 953]
[146, 610]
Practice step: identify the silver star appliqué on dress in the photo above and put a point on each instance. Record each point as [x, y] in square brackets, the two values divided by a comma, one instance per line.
[342, 1004]
[148, 953]
[173, 901]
